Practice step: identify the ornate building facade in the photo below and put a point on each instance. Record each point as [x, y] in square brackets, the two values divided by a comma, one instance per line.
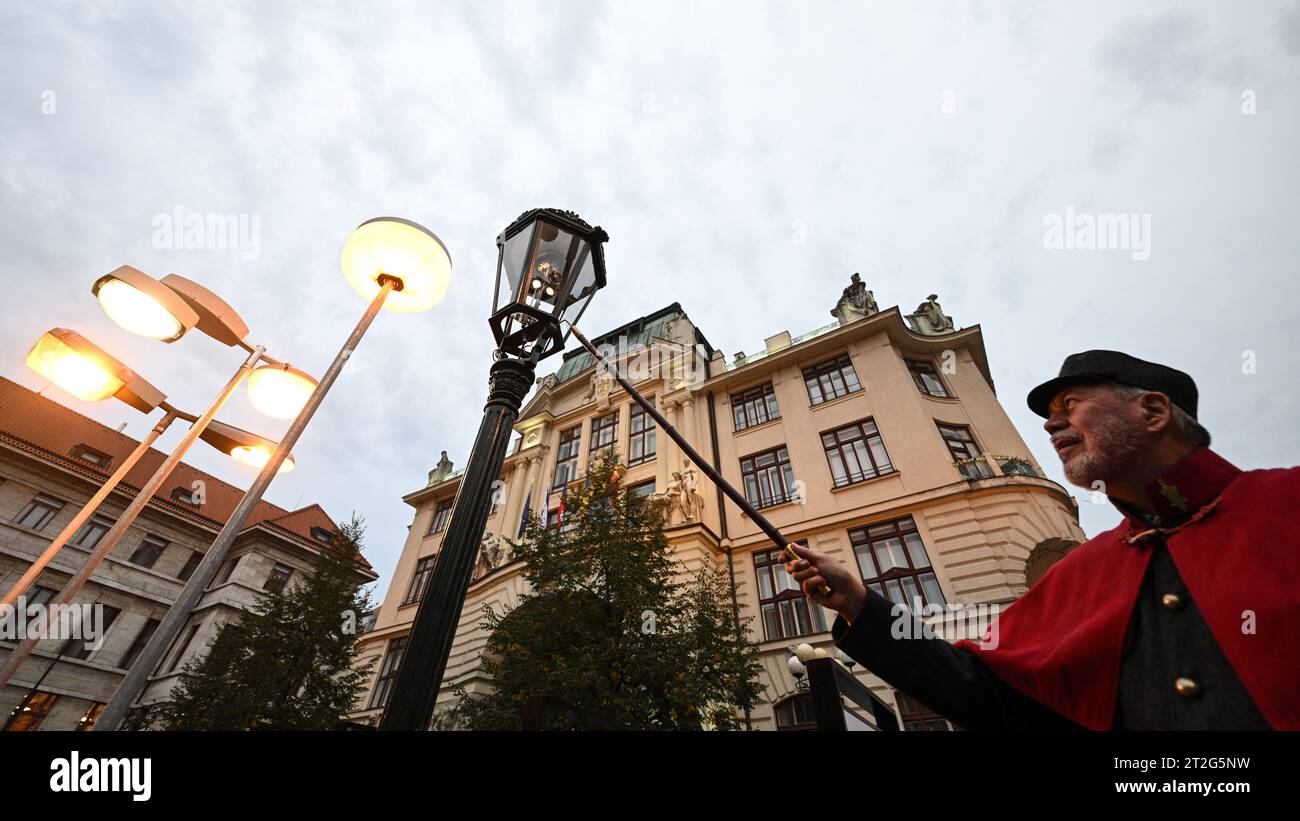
[877, 438]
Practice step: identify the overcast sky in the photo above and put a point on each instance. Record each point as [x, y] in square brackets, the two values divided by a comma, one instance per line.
[745, 159]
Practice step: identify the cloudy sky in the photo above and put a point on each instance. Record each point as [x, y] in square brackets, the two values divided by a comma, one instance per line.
[745, 158]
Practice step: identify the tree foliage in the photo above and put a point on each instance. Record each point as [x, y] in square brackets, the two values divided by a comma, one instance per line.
[288, 663]
[614, 624]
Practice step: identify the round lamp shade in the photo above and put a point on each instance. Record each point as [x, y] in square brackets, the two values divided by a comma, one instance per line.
[402, 249]
[143, 305]
[280, 391]
[257, 456]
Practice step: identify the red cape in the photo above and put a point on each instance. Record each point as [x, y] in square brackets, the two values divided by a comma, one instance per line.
[1060, 643]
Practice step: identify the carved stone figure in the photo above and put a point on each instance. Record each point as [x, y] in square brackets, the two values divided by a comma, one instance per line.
[692, 502]
[856, 302]
[490, 556]
[929, 318]
[675, 493]
[440, 471]
[601, 385]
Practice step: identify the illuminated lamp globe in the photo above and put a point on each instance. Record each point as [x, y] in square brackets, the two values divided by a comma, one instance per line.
[401, 249]
[143, 305]
[280, 391]
[80, 373]
[258, 455]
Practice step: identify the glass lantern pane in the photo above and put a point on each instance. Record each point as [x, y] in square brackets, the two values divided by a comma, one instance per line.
[552, 259]
[584, 284]
[514, 259]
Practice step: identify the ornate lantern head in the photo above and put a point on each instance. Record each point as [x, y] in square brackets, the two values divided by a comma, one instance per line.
[549, 265]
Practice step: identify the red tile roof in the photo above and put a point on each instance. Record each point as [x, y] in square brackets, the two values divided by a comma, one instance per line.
[49, 431]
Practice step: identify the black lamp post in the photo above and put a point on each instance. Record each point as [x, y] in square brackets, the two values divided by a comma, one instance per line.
[549, 265]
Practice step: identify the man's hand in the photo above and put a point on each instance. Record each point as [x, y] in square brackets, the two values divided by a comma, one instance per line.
[815, 568]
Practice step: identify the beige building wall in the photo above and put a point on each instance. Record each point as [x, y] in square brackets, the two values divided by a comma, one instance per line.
[977, 533]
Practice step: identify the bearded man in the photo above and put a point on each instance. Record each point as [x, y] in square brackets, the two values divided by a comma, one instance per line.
[1184, 616]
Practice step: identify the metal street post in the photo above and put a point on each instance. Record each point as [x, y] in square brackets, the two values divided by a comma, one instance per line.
[138, 676]
[393, 263]
[549, 265]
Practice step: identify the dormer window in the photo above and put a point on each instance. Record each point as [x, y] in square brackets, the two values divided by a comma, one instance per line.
[320, 534]
[87, 454]
[184, 495]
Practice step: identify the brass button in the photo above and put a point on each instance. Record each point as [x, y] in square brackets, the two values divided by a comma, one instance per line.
[1172, 601]
[1187, 688]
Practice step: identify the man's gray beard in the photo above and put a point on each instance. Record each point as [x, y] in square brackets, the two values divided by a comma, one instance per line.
[1108, 453]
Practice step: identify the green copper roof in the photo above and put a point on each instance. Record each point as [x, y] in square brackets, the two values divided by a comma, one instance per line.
[638, 331]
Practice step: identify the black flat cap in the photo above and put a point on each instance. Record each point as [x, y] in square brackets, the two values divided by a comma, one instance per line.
[1113, 366]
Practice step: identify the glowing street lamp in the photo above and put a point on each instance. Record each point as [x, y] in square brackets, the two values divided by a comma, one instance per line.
[392, 262]
[143, 305]
[550, 263]
[242, 446]
[280, 391]
[84, 370]
[392, 249]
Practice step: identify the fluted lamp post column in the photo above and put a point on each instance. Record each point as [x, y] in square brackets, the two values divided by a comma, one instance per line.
[549, 265]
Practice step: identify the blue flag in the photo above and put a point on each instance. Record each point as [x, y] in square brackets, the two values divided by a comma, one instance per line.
[523, 520]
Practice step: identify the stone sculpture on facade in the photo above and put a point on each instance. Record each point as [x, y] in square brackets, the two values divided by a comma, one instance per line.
[441, 470]
[855, 303]
[602, 383]
[929, 318]
[491, 555]
[692, 501]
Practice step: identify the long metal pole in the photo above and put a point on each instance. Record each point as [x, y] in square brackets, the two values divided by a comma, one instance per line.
[415, 692]
[147, 491]
[137, 678]
[736, 496]
[29, 578]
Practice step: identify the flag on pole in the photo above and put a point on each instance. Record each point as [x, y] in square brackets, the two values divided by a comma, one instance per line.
[523, 519]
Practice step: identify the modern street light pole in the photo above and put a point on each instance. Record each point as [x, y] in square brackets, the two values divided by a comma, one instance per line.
[549, 265]
[165, 310]
[382, 257]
